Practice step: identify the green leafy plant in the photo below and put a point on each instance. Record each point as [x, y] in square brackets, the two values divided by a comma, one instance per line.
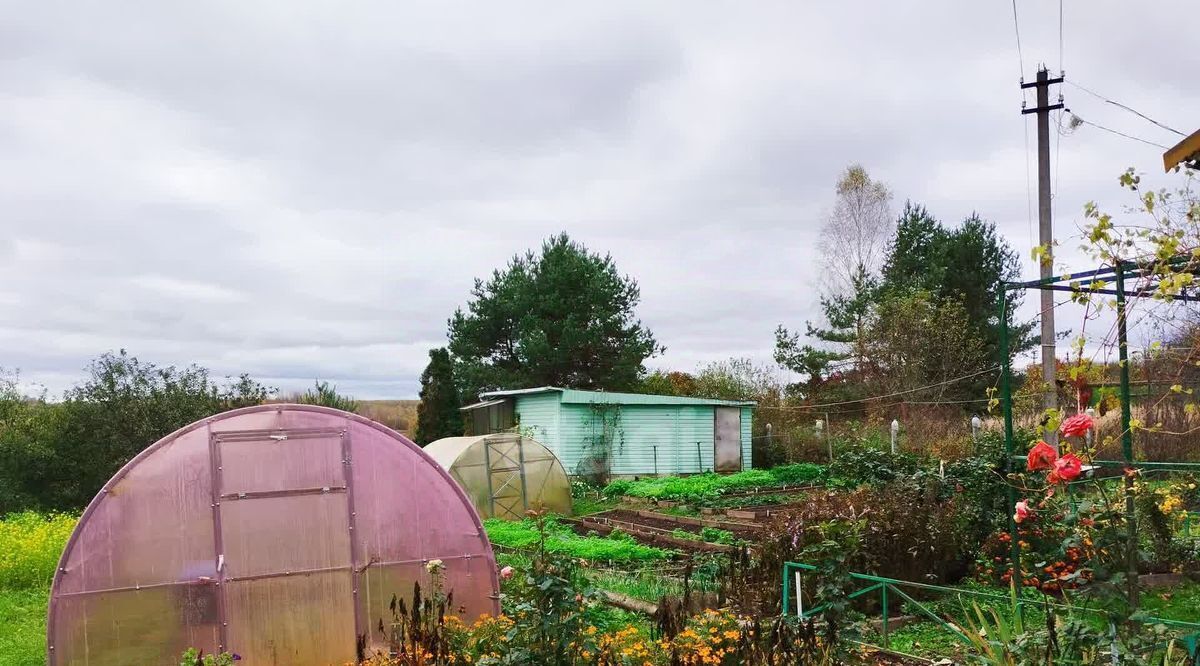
[704, 487]
[556, 538]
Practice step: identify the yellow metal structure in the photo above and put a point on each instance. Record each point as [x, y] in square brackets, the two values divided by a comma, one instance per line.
[1186, 151]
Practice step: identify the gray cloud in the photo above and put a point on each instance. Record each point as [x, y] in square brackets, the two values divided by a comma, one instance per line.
[301, 190]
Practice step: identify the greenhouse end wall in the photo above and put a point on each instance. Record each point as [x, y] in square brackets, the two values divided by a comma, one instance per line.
[278, 532]
[505, 474]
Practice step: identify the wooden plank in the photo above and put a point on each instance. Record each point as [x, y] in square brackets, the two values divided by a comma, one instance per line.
[657, 538]
[699, 522]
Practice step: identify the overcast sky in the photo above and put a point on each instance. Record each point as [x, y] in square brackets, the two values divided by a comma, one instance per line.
[300, 190]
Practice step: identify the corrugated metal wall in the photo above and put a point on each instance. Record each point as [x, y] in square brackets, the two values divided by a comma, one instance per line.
[568, 429]
[747, 430]
[538, 414]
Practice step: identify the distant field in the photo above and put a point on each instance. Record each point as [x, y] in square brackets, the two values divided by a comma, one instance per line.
[398, 415]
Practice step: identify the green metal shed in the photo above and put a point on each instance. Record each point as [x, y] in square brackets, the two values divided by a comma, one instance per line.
[623, 434]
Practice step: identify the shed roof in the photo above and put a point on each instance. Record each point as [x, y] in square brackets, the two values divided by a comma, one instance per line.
[611, 398]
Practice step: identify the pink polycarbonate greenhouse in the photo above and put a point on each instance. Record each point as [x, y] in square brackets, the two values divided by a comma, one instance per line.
[278, 532]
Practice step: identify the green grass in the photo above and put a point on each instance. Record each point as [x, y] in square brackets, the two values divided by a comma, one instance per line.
[30, 544]
[708, 486]
[23, 627]
[1181, 602]
[616, 547]
[648, 586]
[593, 502]
[923, 639]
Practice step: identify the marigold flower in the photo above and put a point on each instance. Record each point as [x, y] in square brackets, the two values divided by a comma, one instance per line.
[1041, 456]
[1077, 426]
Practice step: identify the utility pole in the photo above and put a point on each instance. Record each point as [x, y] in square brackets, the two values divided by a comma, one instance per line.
[1046, 235]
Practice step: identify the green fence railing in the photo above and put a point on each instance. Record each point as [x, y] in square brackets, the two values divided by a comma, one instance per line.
[892, 588]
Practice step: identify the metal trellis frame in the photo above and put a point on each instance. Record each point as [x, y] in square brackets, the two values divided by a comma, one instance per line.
[1108, 281]
[792, 572]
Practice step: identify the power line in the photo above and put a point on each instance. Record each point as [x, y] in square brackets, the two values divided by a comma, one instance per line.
[1113, 131]
[1062, 71]
[1127, 108]
[1017, 29]
[892, 395]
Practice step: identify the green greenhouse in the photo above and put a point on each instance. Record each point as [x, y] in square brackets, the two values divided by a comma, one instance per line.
[622, 434]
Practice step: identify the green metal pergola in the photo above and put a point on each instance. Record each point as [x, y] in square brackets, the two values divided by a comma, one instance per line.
[1089, 282]
[1108, 281]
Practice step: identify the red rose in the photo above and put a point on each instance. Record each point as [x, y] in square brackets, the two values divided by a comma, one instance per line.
[1041, 456]
[1067, 468]
[1077, 426]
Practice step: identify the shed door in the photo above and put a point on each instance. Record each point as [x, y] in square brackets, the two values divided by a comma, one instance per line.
[283, 524]
[727, 439]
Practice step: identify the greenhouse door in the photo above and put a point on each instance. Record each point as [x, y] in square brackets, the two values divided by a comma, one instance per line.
[283, 516]
[727, 439]
[505, 462]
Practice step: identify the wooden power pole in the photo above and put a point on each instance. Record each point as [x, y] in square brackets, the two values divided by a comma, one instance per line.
[1046, 235]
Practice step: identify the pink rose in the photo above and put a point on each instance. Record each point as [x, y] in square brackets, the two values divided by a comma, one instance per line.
[1077, 426]
[1023, 511]
[506, 573]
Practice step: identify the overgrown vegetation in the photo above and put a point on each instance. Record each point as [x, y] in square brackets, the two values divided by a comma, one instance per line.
[326, 395]
[30, 544]
[57, 456]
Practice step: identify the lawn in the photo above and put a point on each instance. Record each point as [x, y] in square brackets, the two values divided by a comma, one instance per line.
[23, 627]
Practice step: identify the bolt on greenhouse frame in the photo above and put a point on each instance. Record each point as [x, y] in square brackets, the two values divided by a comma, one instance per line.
[1094, 282]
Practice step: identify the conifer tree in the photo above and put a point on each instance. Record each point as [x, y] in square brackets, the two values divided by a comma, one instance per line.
[438, 414]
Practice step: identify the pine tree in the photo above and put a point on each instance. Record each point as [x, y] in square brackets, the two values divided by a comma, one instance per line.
[438, 415]
[562, 317]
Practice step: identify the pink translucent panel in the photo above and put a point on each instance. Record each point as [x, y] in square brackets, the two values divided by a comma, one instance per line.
[285, 542]
[305, 619]
[397, 530]
[116, 547]
[282, 534]
[265, 465]
[151, 626]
